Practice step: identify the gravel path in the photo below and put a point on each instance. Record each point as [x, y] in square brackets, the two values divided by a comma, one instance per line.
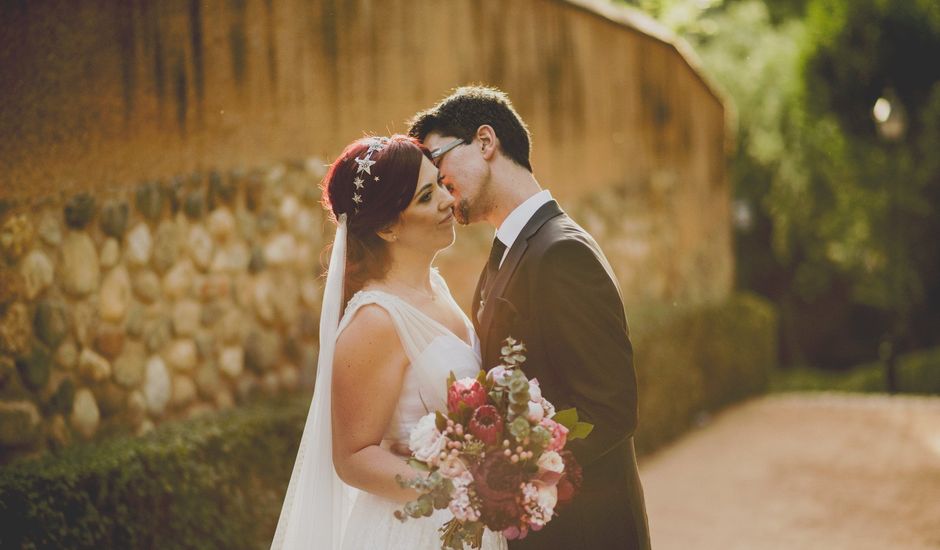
[802, 471]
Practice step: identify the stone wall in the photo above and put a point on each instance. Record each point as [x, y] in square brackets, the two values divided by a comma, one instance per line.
[160, 301]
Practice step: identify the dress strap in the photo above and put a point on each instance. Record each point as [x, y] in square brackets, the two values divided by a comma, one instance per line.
[415, 329]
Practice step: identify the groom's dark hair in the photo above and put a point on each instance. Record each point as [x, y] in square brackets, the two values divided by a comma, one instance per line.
[461, 113]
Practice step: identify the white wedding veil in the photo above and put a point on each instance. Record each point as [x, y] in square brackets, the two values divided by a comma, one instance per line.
[318, 503]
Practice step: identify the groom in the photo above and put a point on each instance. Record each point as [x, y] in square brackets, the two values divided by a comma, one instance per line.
[548, 284]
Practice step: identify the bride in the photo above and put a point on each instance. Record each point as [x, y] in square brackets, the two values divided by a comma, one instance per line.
[390, 333]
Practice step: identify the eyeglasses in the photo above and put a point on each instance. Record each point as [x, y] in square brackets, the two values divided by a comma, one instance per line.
[439, 153]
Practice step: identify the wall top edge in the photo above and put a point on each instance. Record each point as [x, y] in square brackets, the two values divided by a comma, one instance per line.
[637, 20]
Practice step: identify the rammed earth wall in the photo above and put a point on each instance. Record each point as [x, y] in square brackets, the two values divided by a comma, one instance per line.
[161, 237]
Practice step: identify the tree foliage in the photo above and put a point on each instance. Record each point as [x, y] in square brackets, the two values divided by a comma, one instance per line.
[841, 216]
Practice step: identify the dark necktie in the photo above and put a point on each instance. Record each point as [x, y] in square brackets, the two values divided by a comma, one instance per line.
[492, 266]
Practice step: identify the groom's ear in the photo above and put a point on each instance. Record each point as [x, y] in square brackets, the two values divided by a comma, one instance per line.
[487, 140]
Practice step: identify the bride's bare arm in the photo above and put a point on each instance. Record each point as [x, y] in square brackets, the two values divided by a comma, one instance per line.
[368, 371]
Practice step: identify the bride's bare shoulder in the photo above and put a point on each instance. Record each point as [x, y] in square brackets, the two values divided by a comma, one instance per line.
[370, 337]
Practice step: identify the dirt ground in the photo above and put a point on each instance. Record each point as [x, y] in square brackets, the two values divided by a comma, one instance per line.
[802, 471]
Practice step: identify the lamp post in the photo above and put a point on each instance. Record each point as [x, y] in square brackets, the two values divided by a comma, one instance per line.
[891, 123]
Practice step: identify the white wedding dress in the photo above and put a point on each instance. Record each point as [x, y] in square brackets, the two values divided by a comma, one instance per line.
[434, 351]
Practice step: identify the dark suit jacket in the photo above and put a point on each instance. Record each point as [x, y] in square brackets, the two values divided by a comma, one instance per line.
[556, 292]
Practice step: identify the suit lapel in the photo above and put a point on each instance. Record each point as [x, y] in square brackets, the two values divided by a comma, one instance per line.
[546, 212]
[475, 305]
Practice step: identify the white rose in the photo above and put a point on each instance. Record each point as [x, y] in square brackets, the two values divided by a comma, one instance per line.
[549, 408]
[535, 392]
[548, 497]
[551, 461]
[536, 412]
[498, 374]
[426, 441]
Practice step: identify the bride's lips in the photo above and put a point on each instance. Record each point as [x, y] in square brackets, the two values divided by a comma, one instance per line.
[449, 218]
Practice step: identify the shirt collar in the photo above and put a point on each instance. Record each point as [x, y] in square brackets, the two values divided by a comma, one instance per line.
[516, 220]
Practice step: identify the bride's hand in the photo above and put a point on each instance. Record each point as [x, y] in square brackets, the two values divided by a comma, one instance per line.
[400, 448]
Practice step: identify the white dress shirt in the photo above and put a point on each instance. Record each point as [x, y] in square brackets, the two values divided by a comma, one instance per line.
[516, 220]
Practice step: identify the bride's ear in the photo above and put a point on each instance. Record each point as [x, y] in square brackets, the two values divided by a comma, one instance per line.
[388, 234]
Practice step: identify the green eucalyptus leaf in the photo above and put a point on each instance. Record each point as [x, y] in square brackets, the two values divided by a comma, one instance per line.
[519, 383]
[519, 428]
[425, 505]
[540, 436]
[413, 509]
[519, 397]
[418, 465]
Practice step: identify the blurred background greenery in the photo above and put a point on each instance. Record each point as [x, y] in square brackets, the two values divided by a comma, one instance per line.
[836, 174]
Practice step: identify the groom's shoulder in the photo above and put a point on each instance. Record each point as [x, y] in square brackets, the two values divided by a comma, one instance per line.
[562, 244]
[561, 234]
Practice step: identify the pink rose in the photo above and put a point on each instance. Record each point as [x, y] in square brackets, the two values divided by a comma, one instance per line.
[559, 434]
[468, 391]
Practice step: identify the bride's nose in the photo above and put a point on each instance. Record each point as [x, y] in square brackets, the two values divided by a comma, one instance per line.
[447, 200]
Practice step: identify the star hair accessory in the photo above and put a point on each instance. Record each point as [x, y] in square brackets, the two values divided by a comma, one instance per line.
[365, 164]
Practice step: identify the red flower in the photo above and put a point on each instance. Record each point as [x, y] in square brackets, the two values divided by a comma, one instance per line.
[570, 481]
[514, 532]
[497, 481]
[468, 391]
[487, 425]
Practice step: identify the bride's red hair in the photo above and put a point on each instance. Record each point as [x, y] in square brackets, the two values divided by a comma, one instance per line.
[385, 193]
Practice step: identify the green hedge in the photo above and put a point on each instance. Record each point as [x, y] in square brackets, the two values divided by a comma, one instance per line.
[917, 372]
[211, 482]
[693, 361]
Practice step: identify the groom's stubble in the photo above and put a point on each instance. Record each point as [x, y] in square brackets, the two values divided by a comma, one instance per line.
[462, 212]
[476, 209]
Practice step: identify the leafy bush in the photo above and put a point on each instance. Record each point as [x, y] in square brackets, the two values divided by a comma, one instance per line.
[211, 482]
[695, 361]
[916, 373]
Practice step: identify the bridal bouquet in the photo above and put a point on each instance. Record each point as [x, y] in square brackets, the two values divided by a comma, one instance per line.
[496, 458]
